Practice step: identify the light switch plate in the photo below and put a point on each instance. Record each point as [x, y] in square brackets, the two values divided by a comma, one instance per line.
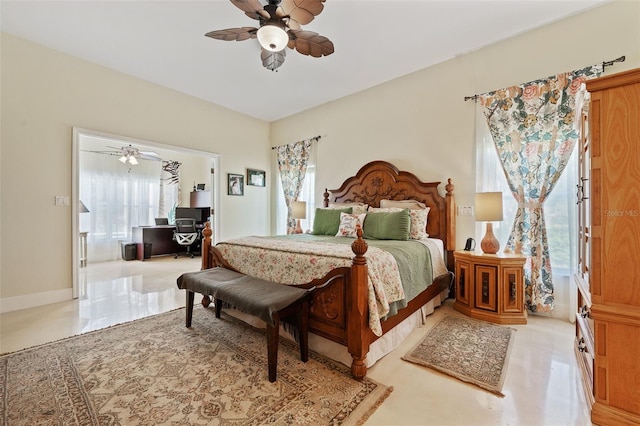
[62, 200]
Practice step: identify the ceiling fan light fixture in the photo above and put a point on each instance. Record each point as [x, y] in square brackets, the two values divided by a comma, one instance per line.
[123, 159]
[273, 37]
[132, 160]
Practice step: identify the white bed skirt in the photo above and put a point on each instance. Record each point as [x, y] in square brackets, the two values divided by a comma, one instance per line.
[377, 350]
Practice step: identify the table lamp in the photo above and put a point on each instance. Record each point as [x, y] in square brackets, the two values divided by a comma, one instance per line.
[298, 211]
[489, 209]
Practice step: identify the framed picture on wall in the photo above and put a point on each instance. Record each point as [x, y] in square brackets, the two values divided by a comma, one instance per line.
[256, 177]
[236, 184]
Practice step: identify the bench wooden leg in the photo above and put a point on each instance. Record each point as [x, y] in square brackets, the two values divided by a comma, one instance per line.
[218, 306]
[303, 326]
[190, 296]
[273, 336]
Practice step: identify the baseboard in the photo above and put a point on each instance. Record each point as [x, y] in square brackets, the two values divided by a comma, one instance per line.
[9, 304]
[561, 311]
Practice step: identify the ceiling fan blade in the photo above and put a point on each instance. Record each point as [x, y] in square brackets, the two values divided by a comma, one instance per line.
[272, 60]
[310, 43]
[300, 11]
[233, 34]
[251, 8]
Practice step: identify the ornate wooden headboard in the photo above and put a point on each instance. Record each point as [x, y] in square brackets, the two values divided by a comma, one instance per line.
[380, 180]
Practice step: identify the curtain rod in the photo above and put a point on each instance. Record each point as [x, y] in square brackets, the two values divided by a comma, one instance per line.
[604, 65]
[315, 137]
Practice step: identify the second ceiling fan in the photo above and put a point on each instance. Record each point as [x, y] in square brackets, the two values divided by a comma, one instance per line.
[280, 22]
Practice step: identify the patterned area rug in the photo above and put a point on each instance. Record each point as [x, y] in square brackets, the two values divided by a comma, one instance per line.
[155, 371]
[473, 351]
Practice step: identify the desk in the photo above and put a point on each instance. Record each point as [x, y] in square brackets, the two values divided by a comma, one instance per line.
[161, 239]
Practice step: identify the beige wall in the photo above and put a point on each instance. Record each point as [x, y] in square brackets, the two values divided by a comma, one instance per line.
[421, 123]
[44, 95]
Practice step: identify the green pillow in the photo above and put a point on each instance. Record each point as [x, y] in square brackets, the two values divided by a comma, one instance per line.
[327, 221]
[387, 225]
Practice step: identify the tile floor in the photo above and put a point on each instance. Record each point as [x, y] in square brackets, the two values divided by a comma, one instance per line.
[542, 385]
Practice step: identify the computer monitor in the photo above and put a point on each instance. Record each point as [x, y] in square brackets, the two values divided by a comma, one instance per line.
[200, 214]
[162, 221]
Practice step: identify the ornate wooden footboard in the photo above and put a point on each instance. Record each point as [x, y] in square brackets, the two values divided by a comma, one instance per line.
[339, 310]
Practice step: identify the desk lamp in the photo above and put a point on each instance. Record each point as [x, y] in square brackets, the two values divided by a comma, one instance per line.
[489, 209]
[298, 211]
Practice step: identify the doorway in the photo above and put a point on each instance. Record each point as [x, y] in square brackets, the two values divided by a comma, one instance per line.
[110, 154]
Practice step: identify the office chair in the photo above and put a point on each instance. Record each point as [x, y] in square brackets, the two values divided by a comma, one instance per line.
[186, 234]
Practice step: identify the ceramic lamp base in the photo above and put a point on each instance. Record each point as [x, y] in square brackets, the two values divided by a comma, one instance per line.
[490, 243]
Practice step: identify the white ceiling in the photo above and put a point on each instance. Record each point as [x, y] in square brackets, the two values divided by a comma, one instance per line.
[375, 41]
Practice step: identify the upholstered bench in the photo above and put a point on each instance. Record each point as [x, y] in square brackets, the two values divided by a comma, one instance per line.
[266, 300]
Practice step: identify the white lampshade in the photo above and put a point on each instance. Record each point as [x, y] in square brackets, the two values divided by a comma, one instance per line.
[132, 160]
[299, 210]
[123, 159]
[272, 37]
[488, 206]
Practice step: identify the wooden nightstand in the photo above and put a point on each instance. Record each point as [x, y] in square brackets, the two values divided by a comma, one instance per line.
[490, 287]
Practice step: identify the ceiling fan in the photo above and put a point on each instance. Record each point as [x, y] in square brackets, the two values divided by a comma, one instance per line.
[130, 154]
[280, 22]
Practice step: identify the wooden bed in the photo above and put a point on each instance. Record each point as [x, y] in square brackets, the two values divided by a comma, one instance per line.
[339, 310]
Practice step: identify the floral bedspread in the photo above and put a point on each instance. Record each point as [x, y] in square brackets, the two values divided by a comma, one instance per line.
[298, 262]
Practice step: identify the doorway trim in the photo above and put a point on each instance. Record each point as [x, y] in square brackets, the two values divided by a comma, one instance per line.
[78, 133]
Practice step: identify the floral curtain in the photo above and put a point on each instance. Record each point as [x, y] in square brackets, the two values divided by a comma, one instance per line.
[534, 129]
[170, 193]
[292, 164]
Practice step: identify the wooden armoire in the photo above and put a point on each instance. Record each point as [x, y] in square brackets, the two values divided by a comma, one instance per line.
[608, 280]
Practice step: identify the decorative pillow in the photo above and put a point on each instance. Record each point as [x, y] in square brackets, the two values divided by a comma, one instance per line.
[419, 220]
[382, 225]
[404, 204]
[327, 221]
[348, 224]
[358, 208]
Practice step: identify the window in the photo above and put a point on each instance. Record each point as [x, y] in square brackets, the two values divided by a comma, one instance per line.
[560, 209]
[117, 199]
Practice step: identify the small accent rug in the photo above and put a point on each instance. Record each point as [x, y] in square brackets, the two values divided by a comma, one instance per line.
[473, 351]
[155, 371]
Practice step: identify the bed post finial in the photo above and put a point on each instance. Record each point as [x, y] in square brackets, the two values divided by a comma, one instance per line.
[449, 187]
[326, 198]
[206, 243]
[359, 246]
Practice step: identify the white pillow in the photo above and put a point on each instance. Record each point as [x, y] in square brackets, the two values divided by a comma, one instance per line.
[404, 204]
[357, 208]
[348, 224]
[419, 219]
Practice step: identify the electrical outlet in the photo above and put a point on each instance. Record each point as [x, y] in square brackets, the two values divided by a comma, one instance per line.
[62, 200]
